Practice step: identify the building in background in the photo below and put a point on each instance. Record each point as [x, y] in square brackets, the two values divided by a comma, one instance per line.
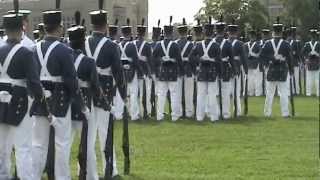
[117, 9]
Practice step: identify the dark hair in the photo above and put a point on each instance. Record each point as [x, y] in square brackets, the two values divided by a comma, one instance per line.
[78, 44]
[49, 28]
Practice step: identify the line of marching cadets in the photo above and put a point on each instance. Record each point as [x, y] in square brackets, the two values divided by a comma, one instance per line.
[56, 87]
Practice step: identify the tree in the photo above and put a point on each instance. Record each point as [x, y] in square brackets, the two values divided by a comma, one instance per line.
[245, 12]
[305, 14]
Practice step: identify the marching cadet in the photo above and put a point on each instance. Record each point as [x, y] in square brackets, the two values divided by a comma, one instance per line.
[296, 48]
[188, 70]
[144, 77]
[276, 57]
[198, 31]
[206, 54]
[311, 53]
[41, 32]
[130, 63]
[168, 56]
[28, 123]
[261, 75]
[252, 49]
[59, 80]
[1, 36]
[107, 56]
[25, 40]
[240, 64]
[227, 66]
[19, 71]
[88, 83]
[36, 34]
[118, 103]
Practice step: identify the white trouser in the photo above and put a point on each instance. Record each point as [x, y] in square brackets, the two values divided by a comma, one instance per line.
[148, 82]
[226, 99]
[102, 117]
[163, 87]
[238, 91]
[188, 95]
[20, 136]
[22, 142]
[297, 76]
[207, 92]
[118, 106]
[40, 143]
[284, 97]
[6, 135]
[133, 92]
[312, 82]
[253, 82]
[259, 82]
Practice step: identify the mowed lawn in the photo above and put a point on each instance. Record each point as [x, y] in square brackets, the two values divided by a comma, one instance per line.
[248, 148]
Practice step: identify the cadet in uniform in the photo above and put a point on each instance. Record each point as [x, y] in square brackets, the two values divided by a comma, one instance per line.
[19, 71]
[296, 48]
[26, 125]
[206, 54]
[240, 64]
[227, 66]
[107, 57]
[168, 57]
[261, 75]
[311, 53]
[144, 77]
[252, 49]
[276, 56]
[130, 63]
[88, 83]
[59, 80]
[188, 69]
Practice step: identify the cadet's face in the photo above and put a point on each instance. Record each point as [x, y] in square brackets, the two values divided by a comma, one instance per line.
[25, 25]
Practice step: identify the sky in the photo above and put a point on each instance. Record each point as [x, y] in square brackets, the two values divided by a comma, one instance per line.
[163, 9]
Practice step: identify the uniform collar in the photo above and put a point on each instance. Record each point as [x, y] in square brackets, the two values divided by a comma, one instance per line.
[52, 38]
[98, 34]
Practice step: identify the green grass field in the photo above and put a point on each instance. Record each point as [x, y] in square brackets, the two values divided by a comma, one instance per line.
[248, 148]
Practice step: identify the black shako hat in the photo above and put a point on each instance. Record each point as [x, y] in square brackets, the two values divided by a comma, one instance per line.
[220, 25]
[233, 27]
[142, 29]
[113, 29]
[277, 26]
[198, 28]
[53, 17]
[127, 29]
[156, 31]
[99, 17]
[78, 32]
[168, 29]
[183, 28]
[13, 21]
[209, 27]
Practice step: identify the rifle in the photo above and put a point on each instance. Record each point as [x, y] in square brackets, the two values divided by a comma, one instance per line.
[294, 84]
[15, 177]
[241, 85]
[300, 79]
[153, 98]
[235, 97]
[246, 97]
[51, 154]
[169, 100]
[220, 98]
[83, 150]
[144, 99]
[125, 141]
[108, 151]
[263, 80]
[305, 79]
[291, 97]
[183, 100]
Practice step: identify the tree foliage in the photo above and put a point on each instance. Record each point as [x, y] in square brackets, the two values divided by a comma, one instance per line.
[245, 12]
